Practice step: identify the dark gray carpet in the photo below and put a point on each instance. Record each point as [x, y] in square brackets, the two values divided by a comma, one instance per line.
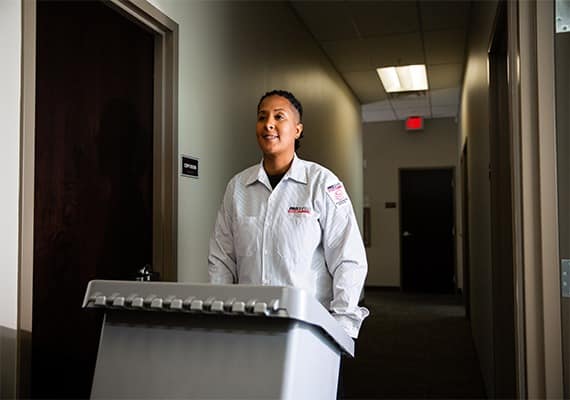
[413, 346]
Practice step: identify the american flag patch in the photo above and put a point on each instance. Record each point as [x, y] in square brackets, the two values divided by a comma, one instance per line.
[337, 193]
[299, 210]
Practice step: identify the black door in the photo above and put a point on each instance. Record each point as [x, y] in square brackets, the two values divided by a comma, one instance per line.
[426, 229]
[93, 179]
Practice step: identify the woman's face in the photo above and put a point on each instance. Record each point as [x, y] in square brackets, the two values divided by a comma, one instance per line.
[277, 126]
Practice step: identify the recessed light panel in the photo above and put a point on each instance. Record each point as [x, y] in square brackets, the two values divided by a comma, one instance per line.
[407, 78]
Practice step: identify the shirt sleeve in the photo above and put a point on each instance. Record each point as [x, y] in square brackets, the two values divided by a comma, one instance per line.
[221, 257]
[345, 257]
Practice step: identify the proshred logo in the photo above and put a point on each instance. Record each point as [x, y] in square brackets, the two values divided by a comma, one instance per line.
[299, 210]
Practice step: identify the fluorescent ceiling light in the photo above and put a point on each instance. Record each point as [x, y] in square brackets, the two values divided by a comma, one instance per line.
[403, 79]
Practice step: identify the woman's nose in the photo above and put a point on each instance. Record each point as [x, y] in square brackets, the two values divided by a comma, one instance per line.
[269, 124]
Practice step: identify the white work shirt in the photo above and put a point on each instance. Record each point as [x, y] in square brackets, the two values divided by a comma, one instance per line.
[302, 234]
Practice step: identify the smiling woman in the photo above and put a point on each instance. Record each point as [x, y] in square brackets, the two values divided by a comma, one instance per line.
[290, 222]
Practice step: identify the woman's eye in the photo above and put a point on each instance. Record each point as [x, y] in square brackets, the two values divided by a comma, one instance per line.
[279, 117]
[260, 117]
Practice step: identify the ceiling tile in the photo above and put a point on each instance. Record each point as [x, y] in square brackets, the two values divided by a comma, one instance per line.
[444, 111]
[349, 55]
[444, 15]
[378, 115]
[409, 100]
[405, 112]
[410, 105]
[444, 97]
[389, 50]
[386, 17]
[377, 105]
[445, 47]
[327, 20]
[366, 86]
[444, 76]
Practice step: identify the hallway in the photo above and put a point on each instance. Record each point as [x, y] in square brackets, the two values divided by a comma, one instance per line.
[413, 346]
[496, 113]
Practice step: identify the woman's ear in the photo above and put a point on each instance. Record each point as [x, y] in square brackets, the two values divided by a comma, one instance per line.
[299, 130]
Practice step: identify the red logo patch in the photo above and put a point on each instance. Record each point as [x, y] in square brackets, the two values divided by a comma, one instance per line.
[299, 210]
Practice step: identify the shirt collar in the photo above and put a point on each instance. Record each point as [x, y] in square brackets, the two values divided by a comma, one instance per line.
[297, 172]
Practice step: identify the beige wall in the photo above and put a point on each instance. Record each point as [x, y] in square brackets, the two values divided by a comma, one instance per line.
[10, 27]
[230, 54]
[388, 147]
[474, 117]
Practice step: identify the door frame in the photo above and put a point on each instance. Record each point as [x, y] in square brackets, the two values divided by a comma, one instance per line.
[503, 286]
[453, 205]
[165, 165]
[531, 66]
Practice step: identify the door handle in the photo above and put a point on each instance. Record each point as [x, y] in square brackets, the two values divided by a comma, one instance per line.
[147, 274]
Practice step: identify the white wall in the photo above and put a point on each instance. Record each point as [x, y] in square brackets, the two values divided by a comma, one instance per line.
[230, 54]
[10, 17]
[475, 125]
[388, 147]
[10, 39]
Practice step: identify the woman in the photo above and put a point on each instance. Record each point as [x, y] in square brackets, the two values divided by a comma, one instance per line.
[289, 222]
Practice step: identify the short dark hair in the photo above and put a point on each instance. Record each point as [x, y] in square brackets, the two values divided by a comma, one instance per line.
[294, 102]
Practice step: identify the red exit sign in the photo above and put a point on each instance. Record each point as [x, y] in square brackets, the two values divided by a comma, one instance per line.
[414, 124]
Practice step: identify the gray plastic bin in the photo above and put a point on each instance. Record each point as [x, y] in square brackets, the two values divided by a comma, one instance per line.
[199, 341]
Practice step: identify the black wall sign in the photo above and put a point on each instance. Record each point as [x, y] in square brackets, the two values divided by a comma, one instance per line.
[189, 166]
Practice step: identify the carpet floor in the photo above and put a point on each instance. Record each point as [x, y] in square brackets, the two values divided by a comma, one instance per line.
[413, 346]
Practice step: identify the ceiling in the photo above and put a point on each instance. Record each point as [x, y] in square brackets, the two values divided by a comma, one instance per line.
[360, 36]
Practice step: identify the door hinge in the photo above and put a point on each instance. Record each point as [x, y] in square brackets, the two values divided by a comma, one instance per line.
[565, 278]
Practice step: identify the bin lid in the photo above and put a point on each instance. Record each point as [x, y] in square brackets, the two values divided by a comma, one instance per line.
[249, 300]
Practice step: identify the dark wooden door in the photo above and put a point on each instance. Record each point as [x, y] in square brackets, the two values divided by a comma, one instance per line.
[426, 228]
[93, 179]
